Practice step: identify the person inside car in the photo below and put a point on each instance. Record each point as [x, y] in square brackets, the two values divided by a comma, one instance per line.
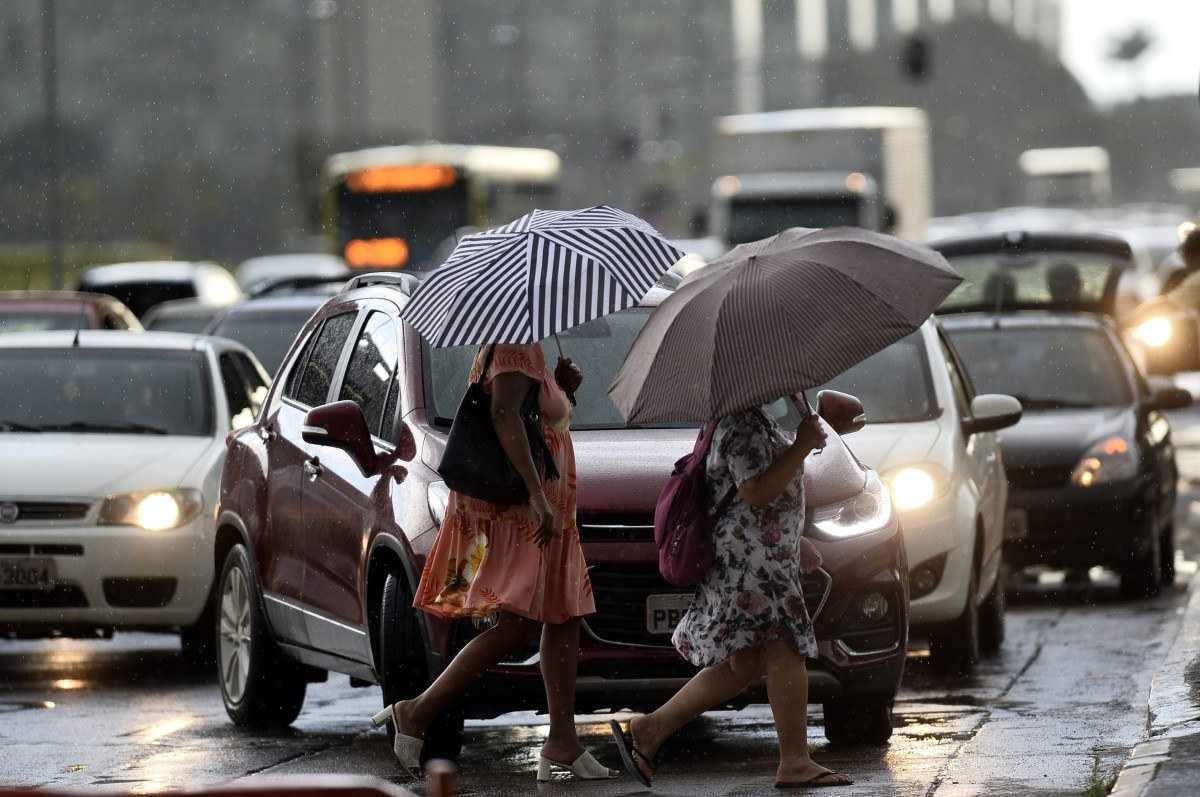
[1000, 290]
[748, 619]
[520, 569]
[1064, 283]
[1189, 252]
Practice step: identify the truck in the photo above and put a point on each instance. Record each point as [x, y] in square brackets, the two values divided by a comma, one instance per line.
[1074, 177]
[821, 167]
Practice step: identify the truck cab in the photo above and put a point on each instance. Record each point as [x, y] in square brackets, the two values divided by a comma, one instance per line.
[747, 207]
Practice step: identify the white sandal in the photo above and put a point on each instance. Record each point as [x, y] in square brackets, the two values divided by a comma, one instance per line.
[406, 748]
[586, 767]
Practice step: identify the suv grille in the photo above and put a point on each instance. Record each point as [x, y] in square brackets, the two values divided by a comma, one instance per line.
[621, 594]
[1039, 475]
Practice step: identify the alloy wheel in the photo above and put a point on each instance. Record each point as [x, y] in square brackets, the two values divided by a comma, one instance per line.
[235, 634]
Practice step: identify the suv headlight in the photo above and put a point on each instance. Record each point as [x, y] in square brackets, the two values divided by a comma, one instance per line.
[152, 510]
[915, 486]
[1108, 461]
[868, 511]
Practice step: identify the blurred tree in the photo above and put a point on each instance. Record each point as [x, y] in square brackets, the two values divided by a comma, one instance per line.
[1130, 50]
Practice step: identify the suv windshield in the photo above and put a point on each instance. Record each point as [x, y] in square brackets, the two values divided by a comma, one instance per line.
[1045, 367]
[134, 391]
[269, 335]
[893, 385]
[597, 347]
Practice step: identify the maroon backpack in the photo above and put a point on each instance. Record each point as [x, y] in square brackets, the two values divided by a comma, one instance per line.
[683, 527]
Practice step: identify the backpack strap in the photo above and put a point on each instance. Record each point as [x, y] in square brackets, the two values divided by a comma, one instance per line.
[706, 436]
[487, 363]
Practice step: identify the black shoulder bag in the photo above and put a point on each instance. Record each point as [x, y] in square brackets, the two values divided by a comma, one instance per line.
[475, 463]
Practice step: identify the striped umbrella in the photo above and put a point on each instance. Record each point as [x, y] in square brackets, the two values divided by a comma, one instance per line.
[774, 317]
[546, 272]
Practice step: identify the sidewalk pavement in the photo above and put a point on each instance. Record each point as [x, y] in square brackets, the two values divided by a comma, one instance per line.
[1167, 764]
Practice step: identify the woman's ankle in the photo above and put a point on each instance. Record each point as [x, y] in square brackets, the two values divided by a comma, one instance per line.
[646, 734]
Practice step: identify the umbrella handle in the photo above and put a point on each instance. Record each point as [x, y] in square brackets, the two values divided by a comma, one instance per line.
[804, 400]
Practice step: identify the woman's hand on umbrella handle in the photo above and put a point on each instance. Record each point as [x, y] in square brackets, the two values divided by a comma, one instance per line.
[568, 376]
[810, 434]
[546, 518]
[810, 557]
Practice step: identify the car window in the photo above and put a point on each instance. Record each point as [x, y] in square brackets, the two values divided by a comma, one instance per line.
[103, 391]
[237, 393]
[268, 334]
[252, 375]
[311, 381]
[371, 371]
[894, 385]
[1046, 367]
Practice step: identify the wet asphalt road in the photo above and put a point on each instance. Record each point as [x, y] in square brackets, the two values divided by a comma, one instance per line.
[1056, 712]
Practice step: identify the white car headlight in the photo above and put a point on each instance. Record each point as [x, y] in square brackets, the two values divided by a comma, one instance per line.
[1154, 332]
[915, 486]
[868, 511]
[152, 510]
[1109, 460]
[439, 499]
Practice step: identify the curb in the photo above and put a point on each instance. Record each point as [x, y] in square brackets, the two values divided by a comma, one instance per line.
[1169, 691]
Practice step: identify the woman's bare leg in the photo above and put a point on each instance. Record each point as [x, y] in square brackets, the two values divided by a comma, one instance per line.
[506, 636]
[710, 687]
[787, 689]
[560, 660]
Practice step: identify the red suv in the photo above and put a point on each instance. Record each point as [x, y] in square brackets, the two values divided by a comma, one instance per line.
[331, 500]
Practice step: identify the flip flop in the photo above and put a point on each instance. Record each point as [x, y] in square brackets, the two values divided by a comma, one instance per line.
[822, 781]
[627, 749]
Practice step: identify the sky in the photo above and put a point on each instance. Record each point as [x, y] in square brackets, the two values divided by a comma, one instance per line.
[1171, 66]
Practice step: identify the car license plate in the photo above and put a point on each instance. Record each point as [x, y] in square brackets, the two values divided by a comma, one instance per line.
[1016, 525]
[26, 573]
[663, 612]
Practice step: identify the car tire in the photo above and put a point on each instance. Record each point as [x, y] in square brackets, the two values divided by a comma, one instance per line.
[1167, 555]
[954, 648]
[404, 672]
[858, 721]
[991, 616]
[261, 688]
[1141, 577]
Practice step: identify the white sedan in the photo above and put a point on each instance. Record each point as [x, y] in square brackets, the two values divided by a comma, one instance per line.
[933, 441]
[111, 449]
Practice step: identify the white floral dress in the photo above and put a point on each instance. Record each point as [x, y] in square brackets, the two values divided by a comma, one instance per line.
[753, 594]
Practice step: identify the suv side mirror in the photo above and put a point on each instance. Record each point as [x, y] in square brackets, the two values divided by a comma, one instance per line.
[1168, 398]
[991, 412]
[841, 411]
[342, 425]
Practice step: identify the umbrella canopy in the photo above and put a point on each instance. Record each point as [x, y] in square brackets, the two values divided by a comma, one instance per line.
[548, 271]
[774, 317]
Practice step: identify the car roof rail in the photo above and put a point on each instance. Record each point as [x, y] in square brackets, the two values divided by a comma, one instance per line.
[407, 283]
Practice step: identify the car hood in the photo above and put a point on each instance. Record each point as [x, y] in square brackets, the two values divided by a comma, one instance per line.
[1060, 437]
[94, 465]
[885, 446]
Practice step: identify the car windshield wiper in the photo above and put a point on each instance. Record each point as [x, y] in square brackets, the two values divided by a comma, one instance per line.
[108, 426]
[17, 426]
[1049, 403]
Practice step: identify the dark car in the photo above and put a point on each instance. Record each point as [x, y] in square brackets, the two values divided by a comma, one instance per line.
[331, 501]
[1091, 466]
[41, 311]
[181, 315]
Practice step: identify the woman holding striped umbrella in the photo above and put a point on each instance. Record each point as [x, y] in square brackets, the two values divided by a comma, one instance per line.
[520, 567]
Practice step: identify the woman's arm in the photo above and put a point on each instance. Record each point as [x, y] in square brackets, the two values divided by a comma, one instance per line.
[770, 484]
[509, 390]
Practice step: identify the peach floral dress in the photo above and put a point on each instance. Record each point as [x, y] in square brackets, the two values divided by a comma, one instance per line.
[485, 559]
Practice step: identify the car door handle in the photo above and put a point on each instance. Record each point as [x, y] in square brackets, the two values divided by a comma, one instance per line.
[313, 469]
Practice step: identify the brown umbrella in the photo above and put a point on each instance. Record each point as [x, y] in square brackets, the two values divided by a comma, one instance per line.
[775, 317]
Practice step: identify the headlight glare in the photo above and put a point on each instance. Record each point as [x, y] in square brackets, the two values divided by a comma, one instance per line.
[916, 486]
[1109, 460]
[1154, 332]
[152, 510]
[868, 511]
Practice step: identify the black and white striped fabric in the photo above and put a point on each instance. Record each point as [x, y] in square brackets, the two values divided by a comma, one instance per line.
[774, 317]
[546, 272]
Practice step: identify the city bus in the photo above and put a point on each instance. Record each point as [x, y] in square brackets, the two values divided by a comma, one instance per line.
[399, 207]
